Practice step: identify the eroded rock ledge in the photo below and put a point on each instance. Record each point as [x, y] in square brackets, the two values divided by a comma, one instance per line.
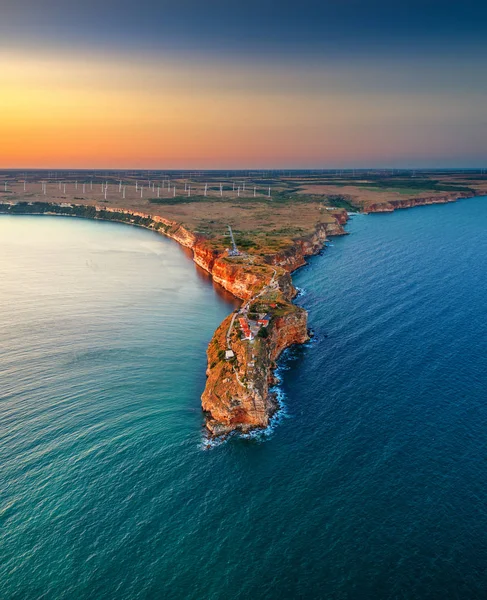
[392, 205]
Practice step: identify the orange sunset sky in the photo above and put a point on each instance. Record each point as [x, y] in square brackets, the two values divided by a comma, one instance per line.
[78, 103]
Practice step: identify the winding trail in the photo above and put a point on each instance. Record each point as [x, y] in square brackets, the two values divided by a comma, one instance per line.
[244, 309]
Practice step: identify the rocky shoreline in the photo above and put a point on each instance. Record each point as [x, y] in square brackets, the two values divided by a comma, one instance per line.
[392, 205]
[243, 353]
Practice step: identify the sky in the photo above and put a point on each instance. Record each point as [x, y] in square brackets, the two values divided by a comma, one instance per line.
[155, 84]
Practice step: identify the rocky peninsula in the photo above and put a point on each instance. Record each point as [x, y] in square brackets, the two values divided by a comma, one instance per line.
[244, 350]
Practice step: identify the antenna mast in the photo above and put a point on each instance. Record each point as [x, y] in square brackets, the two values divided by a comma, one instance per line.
[234, 251]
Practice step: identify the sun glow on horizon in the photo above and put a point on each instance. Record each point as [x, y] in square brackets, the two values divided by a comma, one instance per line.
[127, 112]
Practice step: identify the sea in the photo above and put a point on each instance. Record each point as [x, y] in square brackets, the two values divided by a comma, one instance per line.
[371, 483]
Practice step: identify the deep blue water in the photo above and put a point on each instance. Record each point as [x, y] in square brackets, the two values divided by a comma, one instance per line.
[372, 485]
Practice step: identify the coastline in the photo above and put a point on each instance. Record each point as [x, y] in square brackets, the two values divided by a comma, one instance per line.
[243, 352]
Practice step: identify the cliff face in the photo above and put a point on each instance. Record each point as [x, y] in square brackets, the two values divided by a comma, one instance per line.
[204, 255]
[243, 280]
[392, 205]
[295, 256]
[236, 396]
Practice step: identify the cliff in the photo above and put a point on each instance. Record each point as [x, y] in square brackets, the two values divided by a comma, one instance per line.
[237, 396]
[295, 255]
[392, 205]
[241, 361]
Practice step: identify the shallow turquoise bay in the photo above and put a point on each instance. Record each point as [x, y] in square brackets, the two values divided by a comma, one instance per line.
[371, 485]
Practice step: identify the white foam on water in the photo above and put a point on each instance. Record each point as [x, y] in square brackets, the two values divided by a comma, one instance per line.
[281, 413]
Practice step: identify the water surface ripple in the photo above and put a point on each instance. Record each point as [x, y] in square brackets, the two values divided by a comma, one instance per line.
[373, 486]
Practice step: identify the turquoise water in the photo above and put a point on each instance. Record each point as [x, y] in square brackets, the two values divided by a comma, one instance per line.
[372, 485]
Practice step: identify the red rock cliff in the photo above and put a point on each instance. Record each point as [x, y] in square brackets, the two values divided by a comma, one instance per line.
[237, 396]
[392, 205]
